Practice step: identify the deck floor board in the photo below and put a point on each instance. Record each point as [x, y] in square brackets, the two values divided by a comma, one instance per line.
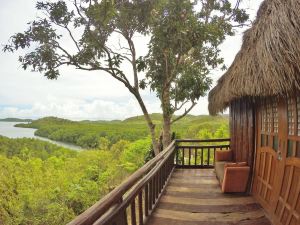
[193, 197]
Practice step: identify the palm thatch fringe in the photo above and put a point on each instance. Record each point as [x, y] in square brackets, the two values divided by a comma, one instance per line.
[268, 63]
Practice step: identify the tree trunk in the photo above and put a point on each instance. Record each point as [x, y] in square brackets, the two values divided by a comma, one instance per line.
[167, 115]
[135, 91]
[166, 130]
[150, 124]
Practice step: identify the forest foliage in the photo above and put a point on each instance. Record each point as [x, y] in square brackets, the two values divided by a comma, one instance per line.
[90, 134]
[181, 40]
[42, 183]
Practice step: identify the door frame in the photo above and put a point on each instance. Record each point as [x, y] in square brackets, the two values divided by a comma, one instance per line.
[263, 166]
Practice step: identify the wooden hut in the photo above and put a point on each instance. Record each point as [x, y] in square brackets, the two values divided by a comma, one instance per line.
[261, 89]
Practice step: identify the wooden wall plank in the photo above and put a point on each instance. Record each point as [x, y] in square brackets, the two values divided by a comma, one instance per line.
[242, 132]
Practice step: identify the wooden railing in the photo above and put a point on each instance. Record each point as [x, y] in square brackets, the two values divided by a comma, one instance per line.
[198, 153]
[134, 200]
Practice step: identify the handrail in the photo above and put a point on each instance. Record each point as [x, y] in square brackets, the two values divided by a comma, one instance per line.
[93, 213]
[135, 199]
[203, 146]
[202, 140]
[132, 193]
[198, 153]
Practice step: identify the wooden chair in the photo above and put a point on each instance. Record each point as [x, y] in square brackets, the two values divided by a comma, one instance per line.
[233, 177]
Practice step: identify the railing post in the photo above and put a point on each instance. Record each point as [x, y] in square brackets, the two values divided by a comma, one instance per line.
[121, 218]
[198, 153]
[146, 200]
[176, 152]
[142, 190]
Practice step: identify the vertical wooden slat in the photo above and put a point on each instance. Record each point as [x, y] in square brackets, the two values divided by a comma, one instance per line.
[160, 179]
[163, 177]
[140, 200]
[146, 200]
[286, 194]
[183, 156]
[157, 185]
[268, 177]
[214, 155]
[208, 156]
[195, 154]
[177, 153]
[189, 156]
[121, 218]
[133, 215]
[150, 194]
[202, 156]
[154, 189]
[294, 204]
[240, 128]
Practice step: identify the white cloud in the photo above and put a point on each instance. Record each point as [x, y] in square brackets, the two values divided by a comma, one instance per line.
[76, 94]
[77, 109]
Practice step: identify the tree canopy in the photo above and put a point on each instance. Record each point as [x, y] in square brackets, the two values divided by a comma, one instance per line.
[184, 45]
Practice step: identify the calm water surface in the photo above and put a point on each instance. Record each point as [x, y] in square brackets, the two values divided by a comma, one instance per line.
[7, 129]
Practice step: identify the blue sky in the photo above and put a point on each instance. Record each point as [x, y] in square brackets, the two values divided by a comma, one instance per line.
[76, 94]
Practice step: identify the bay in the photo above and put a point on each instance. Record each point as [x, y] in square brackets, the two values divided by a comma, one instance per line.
[8, 129]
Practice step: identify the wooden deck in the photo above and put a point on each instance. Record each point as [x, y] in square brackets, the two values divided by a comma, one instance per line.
[193, 197]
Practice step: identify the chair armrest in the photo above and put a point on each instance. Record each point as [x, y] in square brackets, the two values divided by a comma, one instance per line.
[223, 155]
[235, 179]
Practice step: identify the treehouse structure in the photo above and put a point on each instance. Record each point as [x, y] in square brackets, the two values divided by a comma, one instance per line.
[262, 90]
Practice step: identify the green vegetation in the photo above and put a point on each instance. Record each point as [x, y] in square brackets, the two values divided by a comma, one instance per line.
[88, 134]
[42, 183]
[15, 120]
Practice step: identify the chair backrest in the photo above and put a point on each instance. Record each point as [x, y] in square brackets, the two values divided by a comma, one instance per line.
[235, 179]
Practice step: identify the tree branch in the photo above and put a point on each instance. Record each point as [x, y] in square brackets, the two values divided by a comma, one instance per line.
[133, 60]
[72, 37]
[185, 113]
[178, 108]
[78, 10]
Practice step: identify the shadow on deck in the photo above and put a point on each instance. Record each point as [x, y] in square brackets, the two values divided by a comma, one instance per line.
[193, 196]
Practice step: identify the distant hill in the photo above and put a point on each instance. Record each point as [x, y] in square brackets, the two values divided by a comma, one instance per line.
[157, 117]
[88, 133]
[15, 120]
[45, 121]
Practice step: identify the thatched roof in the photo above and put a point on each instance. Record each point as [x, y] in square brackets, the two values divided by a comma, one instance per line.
[268, 63]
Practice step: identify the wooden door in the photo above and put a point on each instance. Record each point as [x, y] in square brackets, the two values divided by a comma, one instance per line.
[286, 209]
[277, 171]
[267, 153]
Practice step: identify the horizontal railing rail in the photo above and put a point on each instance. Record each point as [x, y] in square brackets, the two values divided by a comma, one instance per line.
[202, 140]
[198, 153]
[132, 202]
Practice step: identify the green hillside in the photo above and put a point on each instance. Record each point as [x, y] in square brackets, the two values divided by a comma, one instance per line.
[87, 134]
[15, 120]
[42, 183]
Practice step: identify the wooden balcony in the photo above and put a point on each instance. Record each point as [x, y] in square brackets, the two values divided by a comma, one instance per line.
[177, 187]
[193, 196]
